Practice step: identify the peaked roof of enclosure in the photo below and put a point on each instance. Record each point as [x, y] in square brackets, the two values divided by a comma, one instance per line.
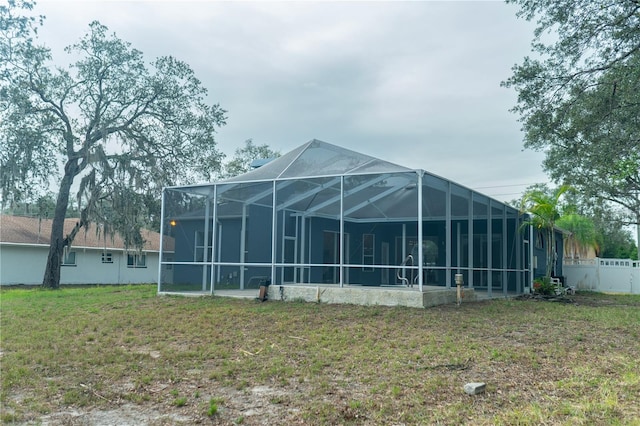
[310, 183]
[318, 158]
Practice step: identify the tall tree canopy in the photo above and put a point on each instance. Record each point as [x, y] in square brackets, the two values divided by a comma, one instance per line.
[243, 157]
[613, 240]
[116, 128]
[579, 97]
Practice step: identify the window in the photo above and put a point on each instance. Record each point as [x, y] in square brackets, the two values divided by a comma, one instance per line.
[368, 243]
[136, 261]
[68, 257]
[107, 257]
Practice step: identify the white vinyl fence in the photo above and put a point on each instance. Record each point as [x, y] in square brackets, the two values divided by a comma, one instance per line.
[603, 275]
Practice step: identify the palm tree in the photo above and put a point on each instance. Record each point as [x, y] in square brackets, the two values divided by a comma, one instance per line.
[543, 207]
[581, 234]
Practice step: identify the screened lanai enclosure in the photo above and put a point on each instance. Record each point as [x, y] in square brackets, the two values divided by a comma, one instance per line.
[325, 215]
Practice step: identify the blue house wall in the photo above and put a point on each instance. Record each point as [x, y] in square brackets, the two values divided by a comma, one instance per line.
[540, 254]
[258, 248]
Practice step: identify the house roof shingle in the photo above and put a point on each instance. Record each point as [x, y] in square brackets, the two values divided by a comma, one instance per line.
[29, 230]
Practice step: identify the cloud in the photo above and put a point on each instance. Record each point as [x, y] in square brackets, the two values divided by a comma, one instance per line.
[416, 83]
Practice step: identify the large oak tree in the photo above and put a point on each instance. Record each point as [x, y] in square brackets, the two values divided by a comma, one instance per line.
[579, 97]
[115, 127]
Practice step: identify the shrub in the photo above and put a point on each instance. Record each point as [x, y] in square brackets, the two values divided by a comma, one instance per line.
[544, 286]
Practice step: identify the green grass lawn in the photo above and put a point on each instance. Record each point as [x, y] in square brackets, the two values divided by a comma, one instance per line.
[122, 354]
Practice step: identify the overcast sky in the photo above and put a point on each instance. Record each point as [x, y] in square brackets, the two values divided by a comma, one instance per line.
[414, 83]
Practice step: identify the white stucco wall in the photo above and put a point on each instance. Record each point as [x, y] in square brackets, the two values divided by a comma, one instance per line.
[24, 264]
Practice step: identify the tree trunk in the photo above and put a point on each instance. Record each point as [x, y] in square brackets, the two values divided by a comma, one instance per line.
[56, 248]
[550, 249]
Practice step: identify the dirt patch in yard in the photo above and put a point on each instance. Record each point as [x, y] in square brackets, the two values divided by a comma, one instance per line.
[586, 299]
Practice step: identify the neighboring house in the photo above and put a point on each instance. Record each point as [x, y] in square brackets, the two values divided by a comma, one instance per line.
[24, 246]
[322, 214]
